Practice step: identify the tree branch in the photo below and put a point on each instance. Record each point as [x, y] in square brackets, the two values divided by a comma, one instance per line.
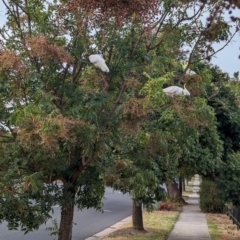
[190, 58]
[117, 102]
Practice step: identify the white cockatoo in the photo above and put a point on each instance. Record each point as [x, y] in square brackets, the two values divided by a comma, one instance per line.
[190, 72]
[176, 91]
[98, 61]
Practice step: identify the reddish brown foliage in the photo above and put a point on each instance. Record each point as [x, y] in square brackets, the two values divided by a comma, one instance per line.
[110, 179]
[193, 84]
[157, 144]
[42, 48]
[120, 164]
[48, 130]
[129, 126]
[134, 108]
[188, 113]
[132, 83]
[10, 61]
[135, 113]
[172, 204]
[121, 9]
[166, 206]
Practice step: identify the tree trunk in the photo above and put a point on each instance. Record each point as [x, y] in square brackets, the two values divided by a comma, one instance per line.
[67, 211]
[172, 188]
[180, 186]
[183, 184]
[137, 219]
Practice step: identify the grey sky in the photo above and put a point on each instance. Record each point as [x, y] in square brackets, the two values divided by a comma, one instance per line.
[227, 59]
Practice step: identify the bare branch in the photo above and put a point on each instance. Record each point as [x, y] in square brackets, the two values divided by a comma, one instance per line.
[117, 102]
[136, 44]
[220, 49]
[190, 58]
[161, 22]
[83, 164]
[149, 48]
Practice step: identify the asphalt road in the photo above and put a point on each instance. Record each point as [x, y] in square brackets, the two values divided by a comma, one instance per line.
[88, 222]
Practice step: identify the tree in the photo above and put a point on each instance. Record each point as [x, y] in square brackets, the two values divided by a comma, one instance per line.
[138, 166]
[224, 98]
[59, 115]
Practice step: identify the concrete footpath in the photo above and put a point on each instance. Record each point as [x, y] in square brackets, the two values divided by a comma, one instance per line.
[192, 223]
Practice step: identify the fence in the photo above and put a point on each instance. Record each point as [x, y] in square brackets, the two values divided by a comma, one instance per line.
[234, 214]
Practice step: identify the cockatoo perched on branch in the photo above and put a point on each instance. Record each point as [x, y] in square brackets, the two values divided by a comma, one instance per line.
[189, 71]
[98, 62]
[176, 91]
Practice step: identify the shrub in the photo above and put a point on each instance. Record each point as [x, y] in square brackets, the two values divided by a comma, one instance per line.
[209, 197]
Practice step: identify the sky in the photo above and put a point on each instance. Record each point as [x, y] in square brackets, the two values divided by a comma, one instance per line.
[228, 59]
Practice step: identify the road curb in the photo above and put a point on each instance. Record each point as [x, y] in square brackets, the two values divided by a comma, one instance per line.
[110, 229]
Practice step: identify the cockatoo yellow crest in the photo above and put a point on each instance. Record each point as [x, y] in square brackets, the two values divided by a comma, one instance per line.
[189, 71]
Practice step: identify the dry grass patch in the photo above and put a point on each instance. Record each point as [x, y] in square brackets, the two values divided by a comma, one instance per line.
[221, 227]
[172, 204]
[157, 224]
